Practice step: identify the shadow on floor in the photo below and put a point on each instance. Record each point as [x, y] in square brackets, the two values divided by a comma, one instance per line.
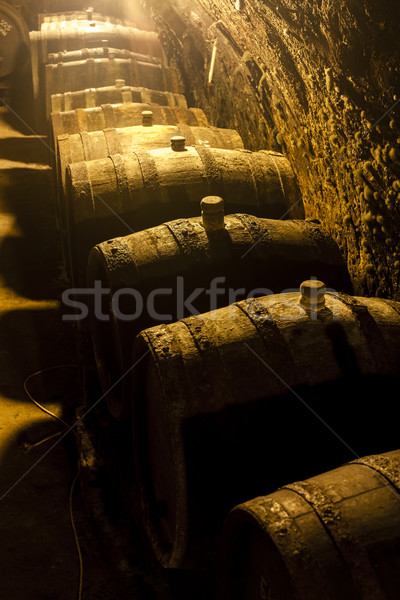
[30, 251]
[31, 340]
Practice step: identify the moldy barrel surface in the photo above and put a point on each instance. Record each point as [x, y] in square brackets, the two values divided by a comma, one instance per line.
[114, 94]
[336, 535]
[94, 145]
[212, 410]
[247, 256]
[146, 187]
[121, 115]
[92, 73]
[103, 52]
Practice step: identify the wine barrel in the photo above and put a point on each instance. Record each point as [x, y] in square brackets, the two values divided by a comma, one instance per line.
[336, 535]
[260, 386]
[75, 35]
[50, 21]
[103, 52]
[114, 94]
[120, 194]
[121, 115]
[113, 11]
[93, 145]
[246, 255]
[14, 41]
[73, 76]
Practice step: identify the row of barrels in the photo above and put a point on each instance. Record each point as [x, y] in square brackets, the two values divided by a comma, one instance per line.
[232, 380]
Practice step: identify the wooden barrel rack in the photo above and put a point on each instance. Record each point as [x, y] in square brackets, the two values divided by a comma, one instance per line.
[151, 195]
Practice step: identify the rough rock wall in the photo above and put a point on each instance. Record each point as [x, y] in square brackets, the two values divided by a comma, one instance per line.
[318, 80]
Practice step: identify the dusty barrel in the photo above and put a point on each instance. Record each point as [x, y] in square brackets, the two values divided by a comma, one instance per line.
[104, 52]
[121, 115]
[93, 145]
[74, 35]
[117, 93]
[75, 75]
[230, 404]
[336, 535]
[14, 41]
[49, 21]
[247, 256]
[106, 197]
[118, 12]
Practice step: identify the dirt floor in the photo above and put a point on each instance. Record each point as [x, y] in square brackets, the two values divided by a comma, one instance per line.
[38, 553]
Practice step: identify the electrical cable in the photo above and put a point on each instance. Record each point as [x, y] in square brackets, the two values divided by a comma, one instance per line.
[42, 408]
[78, 548]
[71, 491]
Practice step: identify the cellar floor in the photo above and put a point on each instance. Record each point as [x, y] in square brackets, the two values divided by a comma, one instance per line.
[37, 552]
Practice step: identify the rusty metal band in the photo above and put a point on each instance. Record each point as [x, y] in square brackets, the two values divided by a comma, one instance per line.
[211, 171]
[112, 140]
[200, 117]
[145, 95]
[86, 145]
[126, 97]
[211, 358]
[109, 115]
[186, 238]
[279, 357]
[171, 100]
[134, 71]
[81, 119]
[90, 98]
[386, 466]
[60, 76]
[149, 170]
[91, 70]
[274, 520]
[256, 229]
[82, 188]
[187, 133]
[122, 180]
[376, 342]
[356, 558]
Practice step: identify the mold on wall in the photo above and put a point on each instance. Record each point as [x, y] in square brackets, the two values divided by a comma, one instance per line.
[319, 81]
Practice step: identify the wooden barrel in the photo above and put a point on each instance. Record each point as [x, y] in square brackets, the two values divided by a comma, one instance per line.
[75, 75]
[336, 535]
[103, 52]
[230, 404]
[114, 11]
[121, 115]
[120, 194]
[50, 21]
[75, 35]
[14, 41]
[93, 145]
[114, 94]
[248, 255]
